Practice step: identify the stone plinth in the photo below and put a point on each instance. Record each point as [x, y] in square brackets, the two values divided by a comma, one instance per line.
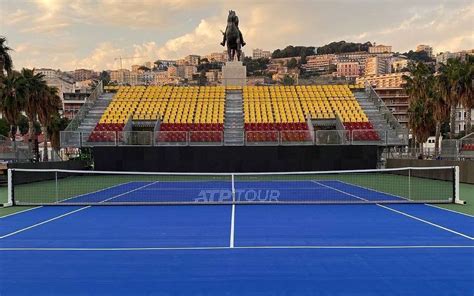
[234, 74]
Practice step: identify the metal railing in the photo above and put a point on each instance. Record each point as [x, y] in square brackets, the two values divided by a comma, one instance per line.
[379, 103]
[14, 151]
[466, 146]
[206, 138]
[333, 137]
[450, 149]
[262, 138]
[86, 107]
[77, 139]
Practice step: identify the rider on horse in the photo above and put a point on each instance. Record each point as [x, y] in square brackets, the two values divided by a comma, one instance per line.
[236, 22]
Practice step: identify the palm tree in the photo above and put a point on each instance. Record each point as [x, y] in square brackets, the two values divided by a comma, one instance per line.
[417, 86]
[420, 120]
[57, 125]
[465, 87]
[12, 100]
[440, 109]
[34, 84]
[47, 109]
[449, 82]
[6, 64]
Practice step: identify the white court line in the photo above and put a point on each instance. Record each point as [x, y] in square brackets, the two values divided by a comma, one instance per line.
[247, 248]
[449, 210]
[400, 212]
[34, 208]
[430, 205]
[72, 212]
[44, 222]
[125, 193]
[232, 226]
[20, 212]
[97, 191]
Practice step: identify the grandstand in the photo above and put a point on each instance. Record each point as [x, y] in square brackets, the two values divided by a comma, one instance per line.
[249, 115]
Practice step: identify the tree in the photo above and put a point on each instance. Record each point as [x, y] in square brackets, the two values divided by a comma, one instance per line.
[12, 100]
[293, 51]
[449, 81]
[303, 59]
[6, 64]
[256, 66]
[54, 128]
[419, 87]
[440, 110]
[105, 77]
[34, 84]
[202, 80]
[51, 103]
[465, 88]
[4, 127]
[288, 80]
[420, 120]
[343, 46]
[418, 56]
[292, 63]
[144, 68]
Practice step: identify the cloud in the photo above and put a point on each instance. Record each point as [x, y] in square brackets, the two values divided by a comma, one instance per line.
[444, 29]
[92, 33]
[16, 17]
[102, 57]
[135, 14]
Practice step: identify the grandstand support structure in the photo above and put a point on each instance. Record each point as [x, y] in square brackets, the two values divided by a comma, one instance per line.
[466, 146]
[389, 130]
[88, 105]
[87, 117]
[234, 118]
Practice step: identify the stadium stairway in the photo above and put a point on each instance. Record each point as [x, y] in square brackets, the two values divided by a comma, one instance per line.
[376, 118]
[94, 115]
[234, 118]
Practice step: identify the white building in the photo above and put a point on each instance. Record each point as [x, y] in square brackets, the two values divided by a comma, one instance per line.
[377, 65]
[445, 56]
[426, 48]
[258, 53]
[48, 73]
[460, 119]
[380, 49]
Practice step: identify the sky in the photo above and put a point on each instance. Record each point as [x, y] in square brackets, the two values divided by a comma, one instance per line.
[92, 34]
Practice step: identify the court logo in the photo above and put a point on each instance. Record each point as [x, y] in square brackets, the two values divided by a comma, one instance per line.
[244, 195]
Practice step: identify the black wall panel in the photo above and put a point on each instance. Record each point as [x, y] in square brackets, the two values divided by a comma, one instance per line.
[234, 158]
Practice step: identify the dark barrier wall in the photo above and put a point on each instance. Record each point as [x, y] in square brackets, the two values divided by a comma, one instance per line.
[466, 168]
[234, 158]
[28, 177]
[65, 165]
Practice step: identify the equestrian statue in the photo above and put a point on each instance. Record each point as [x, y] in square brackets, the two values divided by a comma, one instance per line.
[233, 37]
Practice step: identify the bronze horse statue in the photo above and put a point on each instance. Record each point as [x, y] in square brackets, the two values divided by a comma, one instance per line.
[233, 36]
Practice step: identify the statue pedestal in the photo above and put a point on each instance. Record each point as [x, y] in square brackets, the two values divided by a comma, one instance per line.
[234, 74]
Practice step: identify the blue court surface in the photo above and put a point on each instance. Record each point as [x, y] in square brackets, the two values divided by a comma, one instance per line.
[365, 249]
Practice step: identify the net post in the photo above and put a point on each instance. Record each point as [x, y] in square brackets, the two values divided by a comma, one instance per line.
[456, 199]
[9, 189]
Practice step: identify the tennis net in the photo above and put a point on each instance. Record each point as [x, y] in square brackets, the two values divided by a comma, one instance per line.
[70, 187]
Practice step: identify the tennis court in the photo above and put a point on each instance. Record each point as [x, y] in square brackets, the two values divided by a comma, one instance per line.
[352, 233]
